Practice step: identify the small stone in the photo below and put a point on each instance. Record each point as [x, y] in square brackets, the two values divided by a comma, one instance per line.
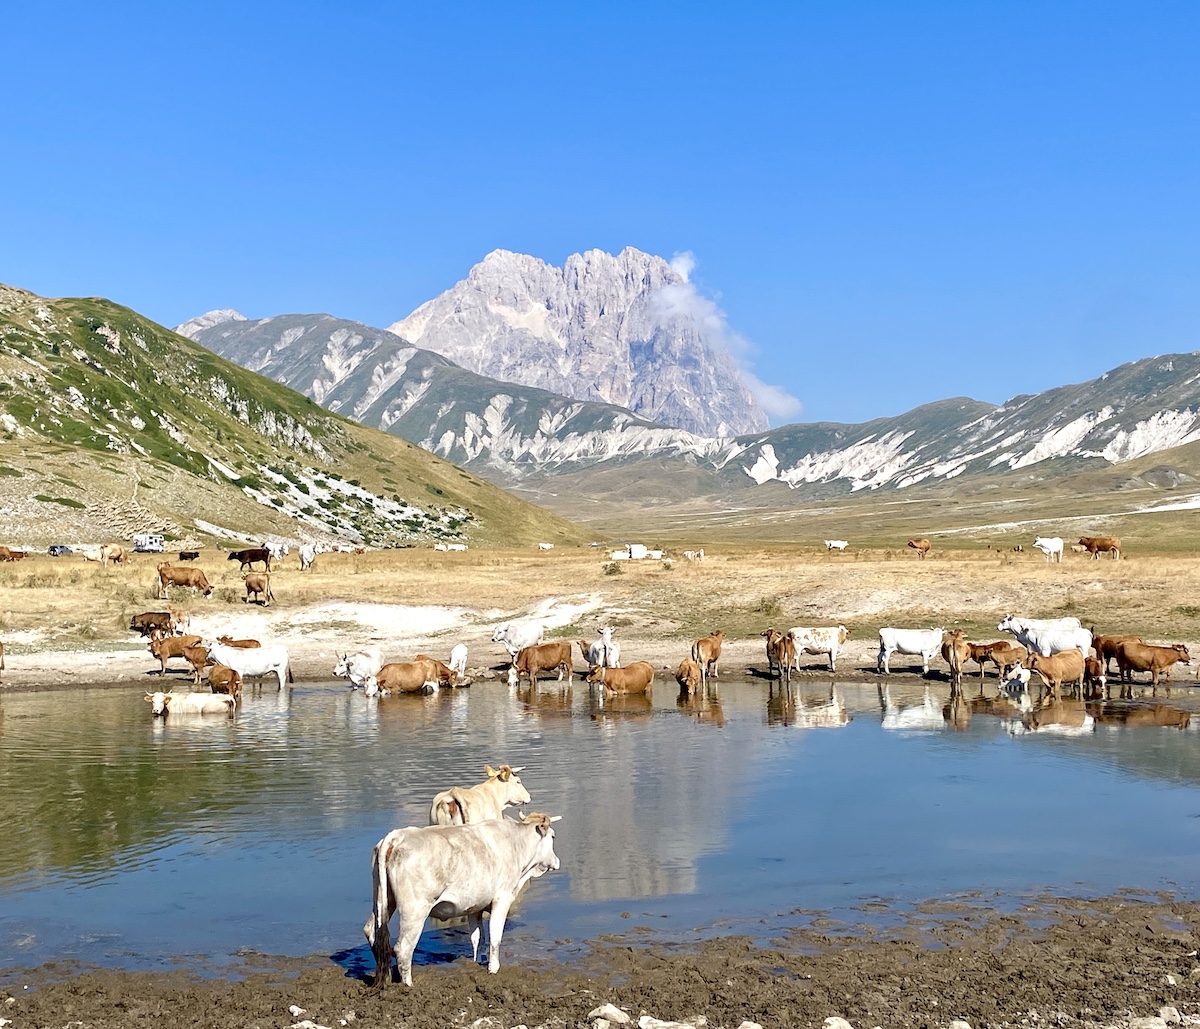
[1149, 1022]
[1194, 973]
[1169, 980]
[1170, 1015]
[601, 1023]
[296, 1011]
[959, 1023]
[647, 1022]
[610, 1013]
[521, 1026]
[837, 1022]
[749, 1025]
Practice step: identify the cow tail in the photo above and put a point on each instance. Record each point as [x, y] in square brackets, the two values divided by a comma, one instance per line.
[696, 651]
[381, 945]
[291, 678]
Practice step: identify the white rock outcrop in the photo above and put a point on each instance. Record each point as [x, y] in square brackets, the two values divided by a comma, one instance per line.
[626, 329]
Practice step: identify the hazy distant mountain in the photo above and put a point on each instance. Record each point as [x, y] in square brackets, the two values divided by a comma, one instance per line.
[627, 330]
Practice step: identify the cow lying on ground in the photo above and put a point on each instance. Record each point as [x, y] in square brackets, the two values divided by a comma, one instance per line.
[463, 805]
[170, 647]
[706, 653]
[418, 676]
[163, 704]
[542, 657]
[1141, 657]
[447, 871]
[229, 641]
[637, 677]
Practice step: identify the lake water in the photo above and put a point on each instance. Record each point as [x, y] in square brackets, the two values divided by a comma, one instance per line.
[132, 842]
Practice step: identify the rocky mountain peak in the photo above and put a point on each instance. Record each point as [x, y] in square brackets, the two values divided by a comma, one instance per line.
[195, 326]
[625, 329]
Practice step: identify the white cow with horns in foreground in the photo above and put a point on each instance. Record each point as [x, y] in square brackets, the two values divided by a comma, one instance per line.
[447, 871]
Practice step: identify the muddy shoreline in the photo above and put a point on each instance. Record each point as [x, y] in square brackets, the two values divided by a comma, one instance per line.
[1050, 962]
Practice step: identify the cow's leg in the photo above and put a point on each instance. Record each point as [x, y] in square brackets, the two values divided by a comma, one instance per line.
[475, 924]
[496, 919]
[406, 943]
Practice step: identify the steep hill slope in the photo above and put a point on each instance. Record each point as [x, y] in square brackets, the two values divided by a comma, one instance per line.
[110, 423]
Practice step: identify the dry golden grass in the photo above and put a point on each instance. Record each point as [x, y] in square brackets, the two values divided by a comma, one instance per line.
[741, 589]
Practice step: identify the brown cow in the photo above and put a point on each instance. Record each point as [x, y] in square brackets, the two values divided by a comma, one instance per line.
[637, 677]
[1106, 647]
[1066, 666]
[197, 657]
[1003, 654]
[707, 653]
[11, 555]
[1095, 675]
[1096, 545]
[193, 578]
[229, 641]
[115, 553]
[781, 653]
[249, 556]
[542, 657]
[150, 622]
[920, 546]
[259, 584]
[171, 646]
[955, 651]
[401, 677]
[1141, 657]
[688, 676]
[223, 679]
[441, 672]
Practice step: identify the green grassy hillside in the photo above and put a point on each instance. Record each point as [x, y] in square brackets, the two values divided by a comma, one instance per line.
[110, 424]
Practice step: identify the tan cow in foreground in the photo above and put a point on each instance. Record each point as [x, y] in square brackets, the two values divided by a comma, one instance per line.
[1142, 657]
[1097, 545]
[921, 546]
[1065, 666]
[637, 677]
[688, 675]
[171, 646]
[193, 578]
[542, 657]
[461, 805]
[706, 653]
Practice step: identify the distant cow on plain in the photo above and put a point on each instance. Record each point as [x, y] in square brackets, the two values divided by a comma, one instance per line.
[192, 578]
[248, 556]
[921, 546]
[258, 584]
[1097, 545]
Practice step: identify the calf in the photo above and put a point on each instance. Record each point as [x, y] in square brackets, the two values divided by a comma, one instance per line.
[458, 662]
[637, 677]
[542, 657]
[921, 546]
[706, 653]
[197, 657]
[241, 644]
[781, 653]
[259, 584]
[1141, 657]
[171, 646]
[448, 871]
[1003, 655]
[1095, 675]
[223, 679]
[688, 676]
[461, 805]
[149, 622]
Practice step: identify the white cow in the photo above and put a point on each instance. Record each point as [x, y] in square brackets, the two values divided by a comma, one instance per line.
[1015, 624]
[825, 640]
[359, 667]
[448, 871]
[545, 546]
[163, 704]
[278, 550]
[925, 642]
[516, 636]
[1051, 546]
[252, 662]
[458, 661]
[456, 546]
[1050, 641]
[836, 544]
[464, 805]
[440, 546]
[605, 651]
[308, 554]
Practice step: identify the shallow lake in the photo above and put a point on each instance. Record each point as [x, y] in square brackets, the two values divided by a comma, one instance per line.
[132, 842]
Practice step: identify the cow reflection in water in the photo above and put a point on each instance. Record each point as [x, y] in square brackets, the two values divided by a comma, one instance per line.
[789, 706]
[546, 703]
[1140, 715]
[704, 705]
[1057, 715]
[602, 704]
[909, 716]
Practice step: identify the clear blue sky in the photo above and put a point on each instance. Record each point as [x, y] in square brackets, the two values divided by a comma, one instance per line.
[894, 202]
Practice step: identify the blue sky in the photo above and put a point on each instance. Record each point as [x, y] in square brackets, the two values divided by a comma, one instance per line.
[893, 202]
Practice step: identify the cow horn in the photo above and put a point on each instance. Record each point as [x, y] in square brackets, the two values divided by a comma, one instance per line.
[519, 768]
[556, 818]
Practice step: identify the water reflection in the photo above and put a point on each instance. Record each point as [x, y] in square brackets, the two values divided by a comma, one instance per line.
[788, 705]
[704, 705]
[907, 715]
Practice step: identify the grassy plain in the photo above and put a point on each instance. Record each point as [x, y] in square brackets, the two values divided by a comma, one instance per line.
[63, 603]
